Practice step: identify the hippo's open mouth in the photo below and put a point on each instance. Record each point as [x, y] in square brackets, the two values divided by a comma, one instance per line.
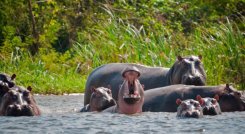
[131, 98]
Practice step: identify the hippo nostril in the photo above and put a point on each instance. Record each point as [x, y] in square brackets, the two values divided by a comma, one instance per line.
[112, 102]
[195, 114]
[187, 114]
[205, 109]
[17, 107]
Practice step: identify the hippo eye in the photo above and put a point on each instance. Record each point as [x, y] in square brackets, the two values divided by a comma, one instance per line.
[214, 101]
[197, 105]
[25, 94]
[197, 63]
[14, 97]
[238, 94]
[109, 91]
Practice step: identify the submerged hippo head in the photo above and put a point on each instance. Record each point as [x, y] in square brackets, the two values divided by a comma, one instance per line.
[101, 99]
[189, 108]
[6, 82]
[188, 70]
[210, 106]
[231, 99]
[18, 101]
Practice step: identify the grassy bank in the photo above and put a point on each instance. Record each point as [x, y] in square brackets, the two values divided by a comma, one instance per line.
[222, 48]
[73, 40]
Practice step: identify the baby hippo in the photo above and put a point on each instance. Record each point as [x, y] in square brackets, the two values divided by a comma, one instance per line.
[189, 108]
[18, 101]
[210, 106]
[101, 99]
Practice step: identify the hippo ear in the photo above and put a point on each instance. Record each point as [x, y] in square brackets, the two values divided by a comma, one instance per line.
[216, 97]
[201, 101]
[227, 88]
[227, 85]
[200, 57]
[179, 58]
[13, 76]
[29, 88]
[198, 97]
[178, 101]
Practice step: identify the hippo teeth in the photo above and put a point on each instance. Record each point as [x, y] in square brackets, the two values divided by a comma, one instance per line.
[131, 96]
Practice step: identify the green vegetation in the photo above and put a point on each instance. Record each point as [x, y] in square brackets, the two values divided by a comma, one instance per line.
[53, 45]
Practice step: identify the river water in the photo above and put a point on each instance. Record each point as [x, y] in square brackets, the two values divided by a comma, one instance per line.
[59, 115]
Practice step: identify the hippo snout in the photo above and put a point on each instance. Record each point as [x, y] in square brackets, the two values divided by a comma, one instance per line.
[209, 111]
[190, 114]
[112, 102]
[19, 110]
[193, 80]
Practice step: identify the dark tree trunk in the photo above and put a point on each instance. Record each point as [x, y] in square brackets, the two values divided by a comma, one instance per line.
[35, 46]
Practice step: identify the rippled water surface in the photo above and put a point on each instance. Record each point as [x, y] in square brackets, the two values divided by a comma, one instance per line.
[59, 115]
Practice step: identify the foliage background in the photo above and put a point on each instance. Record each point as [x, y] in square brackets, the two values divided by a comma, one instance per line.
[53, 45]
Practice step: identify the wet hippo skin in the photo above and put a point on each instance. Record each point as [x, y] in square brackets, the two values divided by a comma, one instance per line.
[163, 99]
[210, 106]
[18, 101]
[189, 108]
[188, 70]
[101, 99]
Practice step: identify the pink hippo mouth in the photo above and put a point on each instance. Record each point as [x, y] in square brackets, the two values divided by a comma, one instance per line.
[131, 98]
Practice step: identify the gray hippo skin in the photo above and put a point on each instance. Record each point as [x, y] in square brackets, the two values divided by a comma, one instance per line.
[163, 99]
[210, 106]
[189, 109]
[18, 101]
[187, 70]
[101, 99]
[130, 98]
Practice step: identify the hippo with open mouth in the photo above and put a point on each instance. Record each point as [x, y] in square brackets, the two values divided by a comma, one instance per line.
[186, 70]
[189, 108]
[101, 99]
[163, 99]
[130, 96]
[18, 101]
[210, 106]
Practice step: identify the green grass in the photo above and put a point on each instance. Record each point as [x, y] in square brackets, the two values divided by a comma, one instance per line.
[221, 45]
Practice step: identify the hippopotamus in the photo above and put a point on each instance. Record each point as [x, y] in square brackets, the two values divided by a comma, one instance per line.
[186, 70]
[189, 108]
[130, 96]
[163, 99]
[101, 99]
[18, 101]
[6, 82]
[210, 106]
